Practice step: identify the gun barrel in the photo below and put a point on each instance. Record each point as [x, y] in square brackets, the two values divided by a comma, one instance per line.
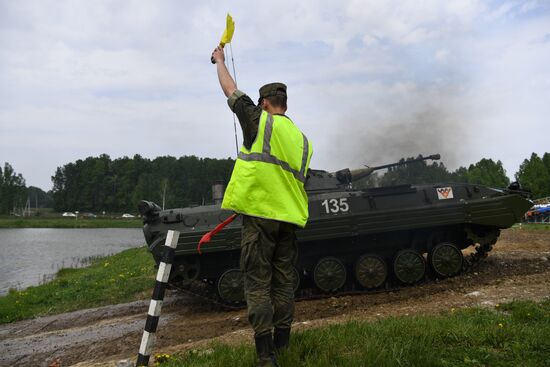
[346, 176]
[419, 159]
[360, 173]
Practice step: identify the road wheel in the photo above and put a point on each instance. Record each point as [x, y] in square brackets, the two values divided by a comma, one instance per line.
[370, 271]
[329, 274]
[409, 266]
[187, 270]
[231, 287]
[446, 259]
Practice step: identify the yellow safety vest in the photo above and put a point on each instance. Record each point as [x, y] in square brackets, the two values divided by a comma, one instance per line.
[268, 179]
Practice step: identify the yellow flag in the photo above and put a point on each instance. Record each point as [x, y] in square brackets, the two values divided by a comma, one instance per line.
[229, 29]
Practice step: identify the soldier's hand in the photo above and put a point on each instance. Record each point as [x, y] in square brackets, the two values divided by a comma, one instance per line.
[218, 55]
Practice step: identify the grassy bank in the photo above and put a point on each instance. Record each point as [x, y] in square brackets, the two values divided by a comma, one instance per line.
[123, 277]
[38, 222]
[514, 334]
[532, 226]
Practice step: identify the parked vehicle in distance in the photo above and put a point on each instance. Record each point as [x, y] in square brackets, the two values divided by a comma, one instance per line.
[89, 215]
[126, 215]
[539, 213]
[68, 214]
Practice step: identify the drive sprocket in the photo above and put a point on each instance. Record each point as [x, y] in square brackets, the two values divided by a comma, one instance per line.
[484, 238]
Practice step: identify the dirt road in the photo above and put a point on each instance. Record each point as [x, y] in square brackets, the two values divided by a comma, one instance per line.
[518, 267]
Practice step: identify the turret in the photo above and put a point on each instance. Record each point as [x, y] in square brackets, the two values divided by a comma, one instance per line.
[322, 180]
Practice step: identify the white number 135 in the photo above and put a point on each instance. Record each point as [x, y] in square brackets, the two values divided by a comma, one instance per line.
[335, 205]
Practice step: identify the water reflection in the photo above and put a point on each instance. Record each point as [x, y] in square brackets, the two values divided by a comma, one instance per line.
[30, 256]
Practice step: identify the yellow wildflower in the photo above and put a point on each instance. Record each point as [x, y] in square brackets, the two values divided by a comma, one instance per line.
[161, 358]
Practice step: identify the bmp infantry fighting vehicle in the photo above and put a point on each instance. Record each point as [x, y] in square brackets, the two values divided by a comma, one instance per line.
[356, 239]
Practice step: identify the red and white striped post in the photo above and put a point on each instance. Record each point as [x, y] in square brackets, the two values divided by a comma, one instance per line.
[153, 315]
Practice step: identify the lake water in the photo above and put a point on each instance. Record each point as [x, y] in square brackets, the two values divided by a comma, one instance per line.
[31, 256]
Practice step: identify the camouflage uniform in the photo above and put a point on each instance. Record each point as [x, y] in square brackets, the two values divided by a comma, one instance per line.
[268, 250]
[268, 255]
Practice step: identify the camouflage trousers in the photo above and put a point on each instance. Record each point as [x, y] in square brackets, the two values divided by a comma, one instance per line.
[267, 261]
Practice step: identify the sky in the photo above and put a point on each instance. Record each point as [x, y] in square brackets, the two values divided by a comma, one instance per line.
[368, 81]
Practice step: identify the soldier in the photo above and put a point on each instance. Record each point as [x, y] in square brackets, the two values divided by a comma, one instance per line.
[267, 188]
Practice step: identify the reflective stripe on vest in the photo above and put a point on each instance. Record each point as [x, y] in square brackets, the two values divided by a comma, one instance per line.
[267, 157]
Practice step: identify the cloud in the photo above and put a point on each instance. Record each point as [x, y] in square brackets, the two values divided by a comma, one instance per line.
[368, 80]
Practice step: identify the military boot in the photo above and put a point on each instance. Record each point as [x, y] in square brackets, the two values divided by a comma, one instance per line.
[281, 338]
[265, 351]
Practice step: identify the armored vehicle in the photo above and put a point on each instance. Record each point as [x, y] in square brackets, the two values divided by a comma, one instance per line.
[355, 239]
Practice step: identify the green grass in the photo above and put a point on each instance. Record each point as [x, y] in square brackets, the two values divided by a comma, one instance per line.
[532, 226]
[123, 277]
[38, 222]
[515, 334]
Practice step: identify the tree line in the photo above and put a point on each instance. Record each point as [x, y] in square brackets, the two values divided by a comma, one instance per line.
[485, 172]
[97, 184]
[533, 174]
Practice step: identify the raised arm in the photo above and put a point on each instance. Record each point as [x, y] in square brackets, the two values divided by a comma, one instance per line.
[226, 81]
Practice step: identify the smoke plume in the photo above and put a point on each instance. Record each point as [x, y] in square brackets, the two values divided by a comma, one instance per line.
[410, 123]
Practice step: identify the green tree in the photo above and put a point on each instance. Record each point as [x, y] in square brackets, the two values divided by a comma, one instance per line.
[485, 172]
[59, 191]
[39, 198]
[534, 174]
[415, 173]
[13, 193]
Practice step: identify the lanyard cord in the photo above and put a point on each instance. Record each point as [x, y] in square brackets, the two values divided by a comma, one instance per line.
[235, 78]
